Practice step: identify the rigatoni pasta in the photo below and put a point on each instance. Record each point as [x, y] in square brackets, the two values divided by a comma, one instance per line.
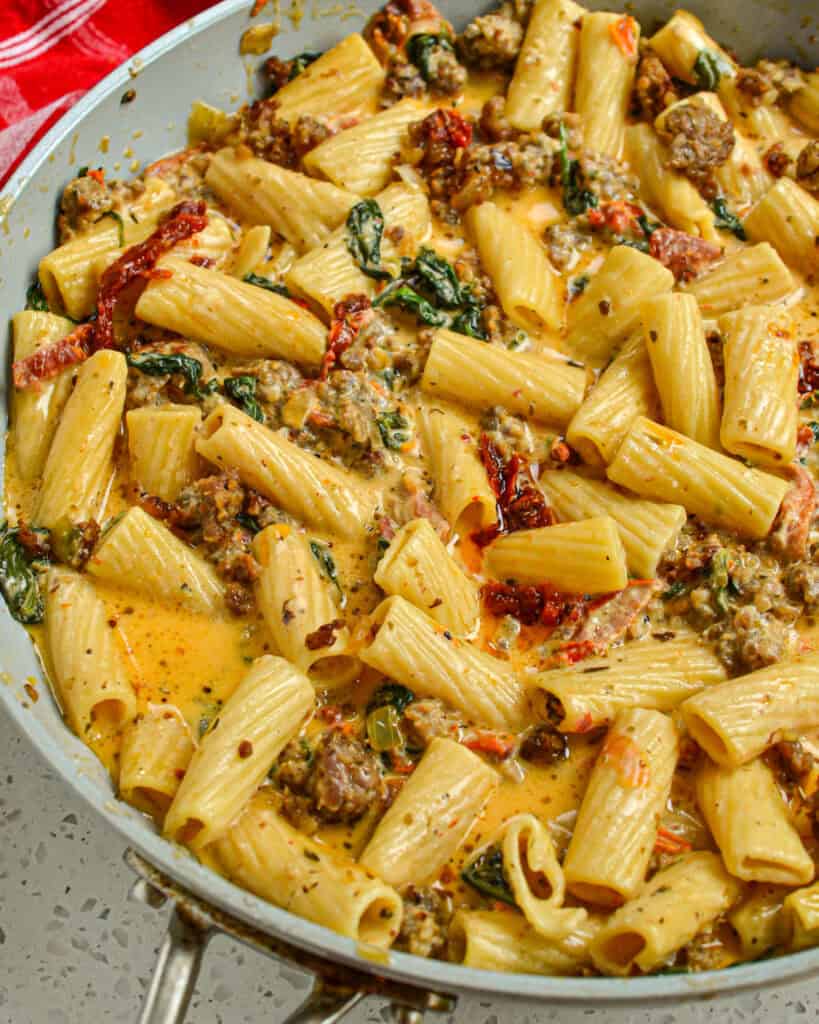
[788, 217]
[157, 748]
[754, 274]
[162, 448]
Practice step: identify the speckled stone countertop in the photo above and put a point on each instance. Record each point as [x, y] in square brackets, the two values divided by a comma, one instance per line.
[74, 949]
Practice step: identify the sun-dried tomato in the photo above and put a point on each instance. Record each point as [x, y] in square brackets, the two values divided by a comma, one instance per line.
[349, 316]
[808, 368]
[138, 261]
[447, 127]
[533, 604]
[619, 216]
[683, 254]
[520, 505]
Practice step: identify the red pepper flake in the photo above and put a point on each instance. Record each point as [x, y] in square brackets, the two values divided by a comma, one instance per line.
[245, 749]
[98, 175]
[497, 745]
[624, 35]
[618, 216]
[520, 505]
[32, 693]
[139, 261]
[571, 653]
[349, 316]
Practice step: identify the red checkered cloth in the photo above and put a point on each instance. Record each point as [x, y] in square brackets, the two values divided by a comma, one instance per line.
[52, 51]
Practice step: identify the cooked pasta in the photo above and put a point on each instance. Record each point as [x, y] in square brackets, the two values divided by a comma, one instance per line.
[411, 489]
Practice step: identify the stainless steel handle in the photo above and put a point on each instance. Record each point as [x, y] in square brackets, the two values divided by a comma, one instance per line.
[336, 990]
[175, 973]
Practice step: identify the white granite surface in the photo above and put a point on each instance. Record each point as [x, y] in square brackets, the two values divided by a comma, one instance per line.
[75, 950]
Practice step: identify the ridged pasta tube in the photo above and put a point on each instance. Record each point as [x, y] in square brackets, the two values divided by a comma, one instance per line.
[683, 371]
[605, 75]
[679, 44]
[69, 273]
[739, 719]
[413, 649]
[296, 602]
[300, 209]
[761, 413]
[624, 391]
[804, 104]
[418, 567]
[544, 73]
[161, 444]
[431, 815]
[800, 917]
[647, 529]
[462, 489]
[267, 856]
[36, 412]
[157, 748]
[617, 822]
[751, 825]
[502, 940]
[788, 217]
[328, 273]
[659, 463]
[536, 878]
[759, 921]
[345, 80]
[678, 903]
[753, 274]
[322, 495]
[79, 463]
[671, 194]
[141, 554]
[231, 315]
[361, 159]
[608, 311]
[530, 291]
[546, 388]
[90, 676]
[578, 558]
[658, 674]
[261, 716]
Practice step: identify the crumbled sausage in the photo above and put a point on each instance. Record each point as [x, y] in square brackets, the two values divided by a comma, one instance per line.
[653, 86]
[777, 160]
[491, 41]
[807, 167]
[337, 782]
[698, 142]
[792, 528]
[84, 201]
[425, 719]
[427, 913]
[544, 745]
[267, 136]
[493, 123]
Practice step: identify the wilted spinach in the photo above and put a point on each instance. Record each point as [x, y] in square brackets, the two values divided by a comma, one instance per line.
[365, 227]
[160, 364]
[328, 567]
[440, 278]
[394, 429]
[709, 67]
[120, 225]
[486, 874]
[267, 284]
[392, 695]
[420, 50]
[18, 579]
[726, 219]
[242, 392]
[35, 299]
[302, 61]
[408, 299]
[576, 199]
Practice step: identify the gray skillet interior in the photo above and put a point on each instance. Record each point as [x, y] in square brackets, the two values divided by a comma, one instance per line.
[200, 60]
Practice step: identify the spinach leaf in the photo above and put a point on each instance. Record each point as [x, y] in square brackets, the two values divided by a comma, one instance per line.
[726, 219]
[120, 226]
[267, 284]
[709, 67]
[365, 226]
[328, 567]
[83, 171]
[677, 587]
[394, 429]
[420, 50]
[576, 199]
[158, 364]
[407, 298]
[486, 874]
[250, 523]
[242, 392]
[470, 322]
[302, 61]
[578, 285]
[721, 583]
[392, 695]
[633, 243]
[440, 278]
[814, 429]
[18, 580]
[35, 299]
[648, 226]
